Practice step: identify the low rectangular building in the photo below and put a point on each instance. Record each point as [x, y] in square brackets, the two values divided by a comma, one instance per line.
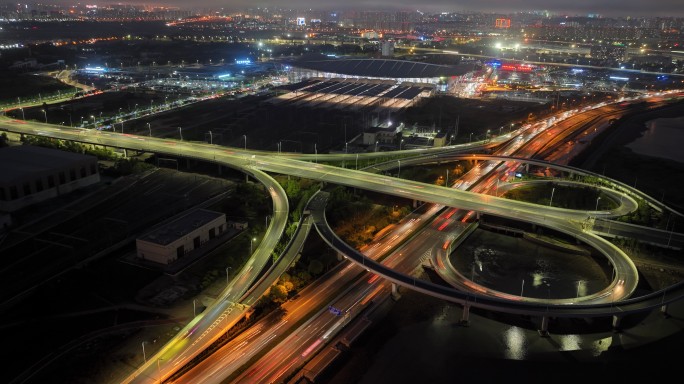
[177, 238]
[31, 174]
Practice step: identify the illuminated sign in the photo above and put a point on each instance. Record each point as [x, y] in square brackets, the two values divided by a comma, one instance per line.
[243, 61]
[301, 21]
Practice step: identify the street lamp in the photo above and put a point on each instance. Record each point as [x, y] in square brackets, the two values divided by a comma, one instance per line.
[211, 138]
[552, 191]
[251, 242]
[400, 143]
[316, 152]
[23, 117]
[228, 274]
[376, 146]
[143, 348]
[245, 136]
[597, 201]
[45, 113]
[180, 132]
[399, 171]
[149, 128]
[471, 137]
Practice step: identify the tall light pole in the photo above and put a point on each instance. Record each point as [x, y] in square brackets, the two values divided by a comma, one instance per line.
[45, 113]
[552, 191]
[346, 147]
[522, 287]
[251, 242]
[400, 143]
[228, 275]
[23, 117]
[149, 128]
[180, 132]
[597, 201]
[399, 171]
[315, 153]
[245, 136]
[471, 137]
[211, 138]
[446, 181]
[143, 347]
[159, 370]
[376, 146]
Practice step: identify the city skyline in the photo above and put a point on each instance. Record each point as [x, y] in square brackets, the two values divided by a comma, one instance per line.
[607, 8]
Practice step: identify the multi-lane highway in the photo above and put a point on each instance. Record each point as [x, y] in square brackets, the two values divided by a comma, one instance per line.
[208, 326]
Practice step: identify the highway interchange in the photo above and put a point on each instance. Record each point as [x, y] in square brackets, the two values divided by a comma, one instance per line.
[237, 297]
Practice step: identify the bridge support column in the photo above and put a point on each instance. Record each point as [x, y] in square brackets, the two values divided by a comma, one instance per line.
[616, 323]
[395, 292]
[544, 328]
[663, 310]
[465, 317]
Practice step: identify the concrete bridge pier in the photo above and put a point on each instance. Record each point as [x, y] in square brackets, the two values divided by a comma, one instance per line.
[663, 310]
[395, 292]
[544, 328]
[616, 323]
[465, 317]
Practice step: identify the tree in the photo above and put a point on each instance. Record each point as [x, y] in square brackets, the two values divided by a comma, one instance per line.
[315, 267]
[4, 141]
[278, 293]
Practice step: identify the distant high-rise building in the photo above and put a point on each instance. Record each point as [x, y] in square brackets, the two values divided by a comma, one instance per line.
[608, 52]
[503, 23]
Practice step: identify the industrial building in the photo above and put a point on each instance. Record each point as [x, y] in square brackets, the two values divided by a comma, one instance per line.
[387, 69]
[31, 174]
[177, 238]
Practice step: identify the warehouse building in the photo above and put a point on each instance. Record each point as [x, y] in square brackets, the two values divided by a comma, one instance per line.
[174, 240]
[31, 174]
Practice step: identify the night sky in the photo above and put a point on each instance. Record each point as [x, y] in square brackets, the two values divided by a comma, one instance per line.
[575, 7]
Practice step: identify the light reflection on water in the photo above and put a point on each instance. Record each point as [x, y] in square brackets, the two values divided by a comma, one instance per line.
[518, 267]
[601, 345]
[570, 342]
[515, 343]
[661, 139]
